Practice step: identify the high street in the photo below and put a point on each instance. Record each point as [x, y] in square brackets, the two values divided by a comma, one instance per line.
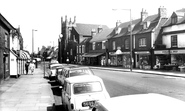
[126, 83]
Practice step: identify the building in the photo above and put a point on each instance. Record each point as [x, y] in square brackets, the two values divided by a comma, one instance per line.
[98, 48]
[171, 51]
[73, 43]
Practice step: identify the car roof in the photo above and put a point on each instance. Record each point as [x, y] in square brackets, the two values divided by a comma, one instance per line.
[53, 65]
[143, 102]
[76, 67]
[83, 78]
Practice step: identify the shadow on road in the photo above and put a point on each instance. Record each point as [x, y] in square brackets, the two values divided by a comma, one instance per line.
[57, 96]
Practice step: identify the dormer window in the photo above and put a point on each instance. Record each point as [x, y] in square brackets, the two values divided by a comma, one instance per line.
[146, 25]
[174, 20]
[130, 27]
[118, 30]
[93, 46]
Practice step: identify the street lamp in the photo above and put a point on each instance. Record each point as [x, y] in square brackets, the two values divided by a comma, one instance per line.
[60, 48]
[33, 41]
[130, 35]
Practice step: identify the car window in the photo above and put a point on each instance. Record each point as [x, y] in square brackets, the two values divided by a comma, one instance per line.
[81, 71]
[89, 87]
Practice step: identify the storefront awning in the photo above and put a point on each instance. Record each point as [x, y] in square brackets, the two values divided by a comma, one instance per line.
[92, 54]
[24, 55]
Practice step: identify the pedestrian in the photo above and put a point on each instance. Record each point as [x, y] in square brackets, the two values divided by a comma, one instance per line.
[32, 67]
[26, 67]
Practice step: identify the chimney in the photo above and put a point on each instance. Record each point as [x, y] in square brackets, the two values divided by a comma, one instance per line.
[74, 22]
[144, 15]
[118, 23]
[162, 12]
[66, 20]
[100, 28]
[93, 32]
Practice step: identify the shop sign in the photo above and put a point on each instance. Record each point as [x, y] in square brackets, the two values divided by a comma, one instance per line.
[161, 52]
[142, 52]
[177, 51]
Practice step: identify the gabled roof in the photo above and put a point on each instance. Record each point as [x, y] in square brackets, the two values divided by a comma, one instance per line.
[6, 22]
[181, 17]
[101, 36]
[87, 39]
[85, 29]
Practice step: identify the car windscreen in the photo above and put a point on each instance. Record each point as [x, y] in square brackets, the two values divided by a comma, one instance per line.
[54, 67]
[77, 72]
[88, 87]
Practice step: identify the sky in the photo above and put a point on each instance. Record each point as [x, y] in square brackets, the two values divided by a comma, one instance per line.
[45, 15]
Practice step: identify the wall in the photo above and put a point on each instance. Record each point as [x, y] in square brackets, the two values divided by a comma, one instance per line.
[174, 28]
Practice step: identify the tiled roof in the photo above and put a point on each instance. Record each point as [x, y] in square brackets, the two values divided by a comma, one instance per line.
[101, 36]
[85, 29]
[179, 14]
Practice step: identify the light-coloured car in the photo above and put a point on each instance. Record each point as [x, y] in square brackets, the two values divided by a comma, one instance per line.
[52, 70]
[140, 102]
[73, 70]
[79, 93]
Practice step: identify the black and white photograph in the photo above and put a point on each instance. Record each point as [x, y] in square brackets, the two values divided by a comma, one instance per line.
[92, 55]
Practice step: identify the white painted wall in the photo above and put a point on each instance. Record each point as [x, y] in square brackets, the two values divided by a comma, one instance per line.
[180, 39]
[166, 39]
[174, 28]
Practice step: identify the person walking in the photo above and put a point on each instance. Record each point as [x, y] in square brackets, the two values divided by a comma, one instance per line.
[32, 67]
[26, 67]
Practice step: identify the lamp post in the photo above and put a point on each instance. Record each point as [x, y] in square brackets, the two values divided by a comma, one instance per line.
[33, 41]
[130, 36]
[60, 48]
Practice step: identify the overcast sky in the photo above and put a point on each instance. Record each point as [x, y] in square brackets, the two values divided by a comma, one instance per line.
[45, 15]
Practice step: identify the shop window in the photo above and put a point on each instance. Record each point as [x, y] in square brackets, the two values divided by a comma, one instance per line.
[114, 45]
[142, 42]
[174, 41]
[126, 44]
[93, 46]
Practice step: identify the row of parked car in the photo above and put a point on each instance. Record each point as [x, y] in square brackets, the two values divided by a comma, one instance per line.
[80, 87]
[82, 90]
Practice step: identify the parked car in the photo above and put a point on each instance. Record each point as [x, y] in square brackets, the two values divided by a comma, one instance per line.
[52, 70]
[140, 102]
[81, 92]
[71, 71]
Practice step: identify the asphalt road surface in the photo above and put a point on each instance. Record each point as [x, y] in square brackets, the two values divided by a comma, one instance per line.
[127, 83]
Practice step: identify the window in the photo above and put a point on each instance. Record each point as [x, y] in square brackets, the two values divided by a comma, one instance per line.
[71, 51]
[103, 44]
[77, 49]
[142, 42]
[80, 49]
[126, 44]
[114, 45]
[93, 46]
[174, 41]
[146, 25]
[83, 49]
[174, 20]
[6, 40]
[118, 30]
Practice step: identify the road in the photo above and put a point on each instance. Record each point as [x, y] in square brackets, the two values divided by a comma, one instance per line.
[126, 83]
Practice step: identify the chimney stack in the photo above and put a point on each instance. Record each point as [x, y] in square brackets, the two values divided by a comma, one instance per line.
[162, 12]
[100, 28]
[118, 23]
[144, 15]
[93, 32]
[61, 24]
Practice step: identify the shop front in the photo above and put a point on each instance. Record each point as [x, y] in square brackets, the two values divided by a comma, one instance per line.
[116, 58]
[126, 59]
[161, 59]
[93, 58]
[178, 59]
[143, 59]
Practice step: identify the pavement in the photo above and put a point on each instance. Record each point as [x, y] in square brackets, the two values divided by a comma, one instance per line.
[33, 92]
[27, 93]
[154, 72]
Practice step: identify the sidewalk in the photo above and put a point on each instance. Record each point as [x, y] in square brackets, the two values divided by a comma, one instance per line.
[155, 72]
[26, 93]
